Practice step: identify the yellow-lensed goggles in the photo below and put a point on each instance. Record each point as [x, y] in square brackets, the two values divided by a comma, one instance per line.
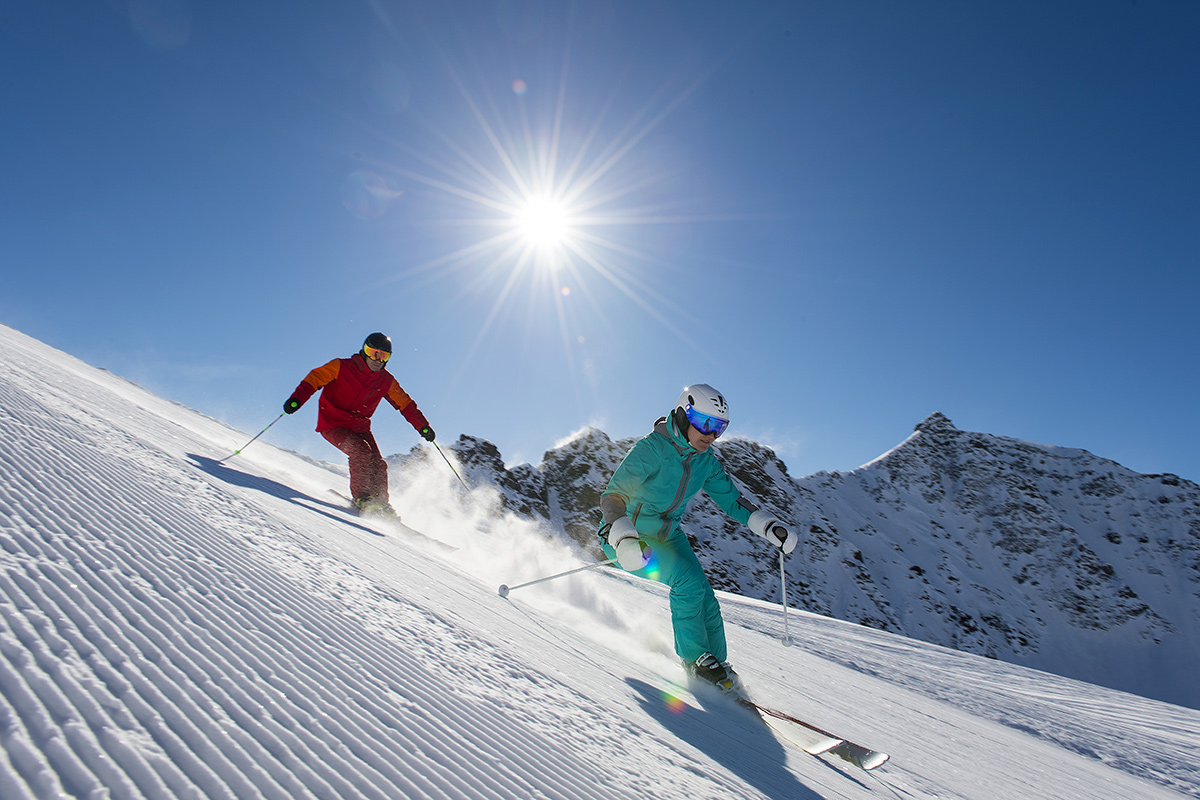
[376, 354]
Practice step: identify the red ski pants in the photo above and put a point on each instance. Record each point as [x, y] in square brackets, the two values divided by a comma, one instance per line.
[368, 470]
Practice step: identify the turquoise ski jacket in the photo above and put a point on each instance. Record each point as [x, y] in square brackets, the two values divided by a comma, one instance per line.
[658, 477]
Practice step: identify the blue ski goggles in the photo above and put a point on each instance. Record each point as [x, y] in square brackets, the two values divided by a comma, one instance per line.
[706, 423]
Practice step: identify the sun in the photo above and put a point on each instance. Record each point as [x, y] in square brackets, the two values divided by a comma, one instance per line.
[543, 222]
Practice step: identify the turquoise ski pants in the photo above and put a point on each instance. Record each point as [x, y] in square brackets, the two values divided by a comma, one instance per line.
[695, 613]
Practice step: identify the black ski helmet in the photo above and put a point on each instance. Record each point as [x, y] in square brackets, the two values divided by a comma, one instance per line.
[378, 341]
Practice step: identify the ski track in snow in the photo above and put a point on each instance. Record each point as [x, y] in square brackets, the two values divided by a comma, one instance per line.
[175, 625]
[172, 633]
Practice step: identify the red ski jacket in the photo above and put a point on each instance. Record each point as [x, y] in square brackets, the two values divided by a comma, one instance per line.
[351, 393]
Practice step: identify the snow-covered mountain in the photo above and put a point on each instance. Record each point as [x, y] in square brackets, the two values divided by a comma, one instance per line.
[1037, 555]
[177, 622]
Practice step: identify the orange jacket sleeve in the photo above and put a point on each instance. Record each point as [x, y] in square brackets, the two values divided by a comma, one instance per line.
[405, 405]
[319, 377]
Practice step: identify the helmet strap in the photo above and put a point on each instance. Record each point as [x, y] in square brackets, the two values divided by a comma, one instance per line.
[681, 422]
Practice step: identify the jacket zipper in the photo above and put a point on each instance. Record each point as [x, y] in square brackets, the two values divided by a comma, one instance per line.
[679, 492]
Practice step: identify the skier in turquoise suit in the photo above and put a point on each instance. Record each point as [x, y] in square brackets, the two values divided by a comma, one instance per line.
[642, 507]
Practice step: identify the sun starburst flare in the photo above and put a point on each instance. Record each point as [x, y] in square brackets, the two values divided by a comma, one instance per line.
[543, 211]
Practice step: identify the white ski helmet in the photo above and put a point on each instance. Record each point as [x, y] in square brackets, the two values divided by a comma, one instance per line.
[702, 407]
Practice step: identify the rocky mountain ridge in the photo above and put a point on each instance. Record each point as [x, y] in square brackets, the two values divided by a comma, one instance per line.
[1045, 556]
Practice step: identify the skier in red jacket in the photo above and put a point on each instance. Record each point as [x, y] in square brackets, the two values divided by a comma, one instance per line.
[351, 389]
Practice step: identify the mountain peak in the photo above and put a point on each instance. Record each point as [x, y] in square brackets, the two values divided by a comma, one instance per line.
[937, 422]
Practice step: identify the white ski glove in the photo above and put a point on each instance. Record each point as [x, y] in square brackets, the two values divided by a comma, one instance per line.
[768, 527]
[623, 538]
[785, 536]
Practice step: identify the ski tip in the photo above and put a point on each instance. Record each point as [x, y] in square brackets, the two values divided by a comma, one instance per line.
[874, 760]
[860, 756]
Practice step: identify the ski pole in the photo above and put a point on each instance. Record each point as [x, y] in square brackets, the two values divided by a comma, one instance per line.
[787, 636]
[452, 469]
[260, 433]
[505, 589]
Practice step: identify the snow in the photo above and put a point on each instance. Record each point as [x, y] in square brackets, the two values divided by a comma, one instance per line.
[176, 622]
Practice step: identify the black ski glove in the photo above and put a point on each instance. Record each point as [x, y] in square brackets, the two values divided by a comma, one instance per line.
[291, 405]
[426, 433]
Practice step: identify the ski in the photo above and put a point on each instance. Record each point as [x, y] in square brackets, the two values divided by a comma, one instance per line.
[814, 740]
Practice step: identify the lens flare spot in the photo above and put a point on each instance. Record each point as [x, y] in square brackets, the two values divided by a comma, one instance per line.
[366, 195]
[519, 87]
[673, 703]
[651, 570]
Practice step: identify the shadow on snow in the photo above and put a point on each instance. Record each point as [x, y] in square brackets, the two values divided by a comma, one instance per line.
[729, 735]
[275, 489]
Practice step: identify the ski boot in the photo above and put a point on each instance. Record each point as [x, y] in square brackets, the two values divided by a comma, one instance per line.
[706, 668]
[371, 507]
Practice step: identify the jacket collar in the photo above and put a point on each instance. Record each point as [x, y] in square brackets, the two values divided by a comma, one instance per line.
[665, 426]
[360, 363]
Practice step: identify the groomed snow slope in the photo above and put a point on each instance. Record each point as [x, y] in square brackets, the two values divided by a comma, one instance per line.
[173, 624]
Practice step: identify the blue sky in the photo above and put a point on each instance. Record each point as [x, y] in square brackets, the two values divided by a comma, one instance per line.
[844, 215]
